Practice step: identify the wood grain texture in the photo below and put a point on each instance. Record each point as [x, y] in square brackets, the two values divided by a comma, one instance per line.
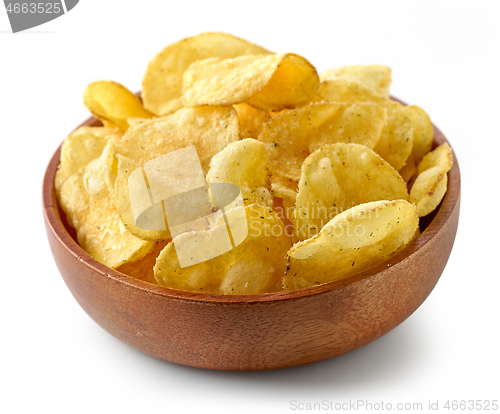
[256, 332]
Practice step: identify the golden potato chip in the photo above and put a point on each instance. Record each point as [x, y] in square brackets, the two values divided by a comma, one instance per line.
[292, 135]
[142, 269]
[376, 77]
[126, 167]
[210, 130]
[312, 126]
[81, 147]
[255, 264]
[423, 132]
[431, 183]
[396, 140]
[354, 240]
[88, 201]
[113, 103]
[338, 177]
[269, 82]
[409, 169]
[251, 120]
[246, 164]
[161, 87]
[441, 157]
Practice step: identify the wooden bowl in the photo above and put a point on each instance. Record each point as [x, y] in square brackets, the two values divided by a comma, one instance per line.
[255, 332]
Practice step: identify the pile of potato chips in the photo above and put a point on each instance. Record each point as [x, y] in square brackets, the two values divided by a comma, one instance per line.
[333, 174]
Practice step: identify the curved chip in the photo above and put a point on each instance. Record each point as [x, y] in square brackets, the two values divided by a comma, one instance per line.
[161, 86]
[292, 135]
[423, 131]
[87, 198]
[269, 82]
[246, 164]
[376, 77]
[355, 240]
[251, 120]
[210, 130]
[254, 262]
[338, 177]
[396, 140]
[112, 103]
[81, 147]
[432, 180]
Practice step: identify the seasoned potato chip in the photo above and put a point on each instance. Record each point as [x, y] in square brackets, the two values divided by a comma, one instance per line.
[312, 126]
[161, 86]
[376, 77]
[142, 269]
[210, 130]
[269, 82]
[113, 103]
[423, 132]
[251, 120]
[354, 240]
[126, 167]
[81, 147]
[254, 265]
[87, 198]
[396, 140]
[293, 135]
[409, 169]
[338, 177]
[246, 164]
[432, 180]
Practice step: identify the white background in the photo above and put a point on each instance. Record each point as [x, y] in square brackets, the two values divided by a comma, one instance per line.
[445, 58]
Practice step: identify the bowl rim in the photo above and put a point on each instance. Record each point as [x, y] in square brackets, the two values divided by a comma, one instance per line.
[53, 220]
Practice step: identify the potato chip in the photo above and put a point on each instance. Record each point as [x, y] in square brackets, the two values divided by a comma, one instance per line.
[396, 140]
[210, 130]
[161, 87]
[254, 265]
[293, 135]
[354, 240]
[409, 169]
[126, 167]
[376, 77]
[246, 164]
[87, 198]
[431, 183]
[423, 132]
[113, 103]
[81, 147]
[338, 177]
[312, 126]
[251, 120]
[142, 269]
[269, 82]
